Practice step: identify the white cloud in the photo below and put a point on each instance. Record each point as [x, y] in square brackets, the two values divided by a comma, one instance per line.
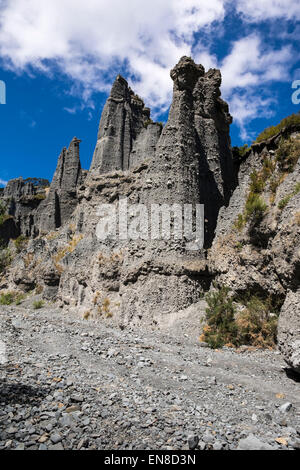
[247, 67]
[91, 41]
[246, 107]
[3, 182]
[261, 10]
[89, 38]
[249, 64]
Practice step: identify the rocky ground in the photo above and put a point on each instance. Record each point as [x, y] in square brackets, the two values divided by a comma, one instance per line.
[74, 384]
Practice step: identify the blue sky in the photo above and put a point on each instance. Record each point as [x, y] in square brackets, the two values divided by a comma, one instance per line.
[59, 58]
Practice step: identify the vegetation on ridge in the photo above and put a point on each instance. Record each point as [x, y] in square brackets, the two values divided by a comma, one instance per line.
[293, 119]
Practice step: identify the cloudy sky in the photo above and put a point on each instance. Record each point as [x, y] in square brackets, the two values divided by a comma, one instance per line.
[59, 58]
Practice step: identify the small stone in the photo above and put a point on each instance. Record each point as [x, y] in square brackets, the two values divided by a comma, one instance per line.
[193, 441]
[202, 344]
[253, 443]
[12, 430]
[58, 446]
[295, 444]
[283, 422]
[208, 438]
[20, 446]
[286, 407]
[43, 447]
[55, 438]
[217, 446]
[282, 441]
[183, 378]
[77, 398]
[82, 443]
[72, 409]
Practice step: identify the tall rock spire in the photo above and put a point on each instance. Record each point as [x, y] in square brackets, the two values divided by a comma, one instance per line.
[61, 201]
[193, 160]
[123, 128]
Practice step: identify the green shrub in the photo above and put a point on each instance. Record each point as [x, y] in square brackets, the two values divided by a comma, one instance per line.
[20, 243]
[294, 119]
[296, 189]
[221, 328]
[256, 325]
[3, 214]
[40, 196]
[268, 168]
[243, 150]
[274, 183]
[19, 299]
[240, 222]
[38, 304]
[255, 207]
[287, 154]
[284, 202]
[257, 184]
[147, 123]
[5, 258]
[7, 299]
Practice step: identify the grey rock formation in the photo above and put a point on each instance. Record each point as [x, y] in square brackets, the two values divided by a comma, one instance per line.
[193, 161]
[151, 279]
[262, 257]
[61, 201]
[123, 128]
[289, 330]
[22, 199]
[144, 146]
[137, 281]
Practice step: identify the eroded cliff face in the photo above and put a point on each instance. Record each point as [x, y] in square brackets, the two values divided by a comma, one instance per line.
[61, 201]
[194, 148]
[256, 251]
[126, 133]
[21, 199]
[252, 211]
[190, 162]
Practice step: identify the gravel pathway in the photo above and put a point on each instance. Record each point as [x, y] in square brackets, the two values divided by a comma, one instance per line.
[74, 384]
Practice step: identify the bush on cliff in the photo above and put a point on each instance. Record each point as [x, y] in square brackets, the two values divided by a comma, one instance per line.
[3, 213]
[255, 207]
[255, 325]
[20, 243]
[221, 328]
[7, 299]
[287, 154]
[5, 257]
[294, 119]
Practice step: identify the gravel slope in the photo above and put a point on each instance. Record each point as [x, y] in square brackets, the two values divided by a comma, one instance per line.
[73, 384]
